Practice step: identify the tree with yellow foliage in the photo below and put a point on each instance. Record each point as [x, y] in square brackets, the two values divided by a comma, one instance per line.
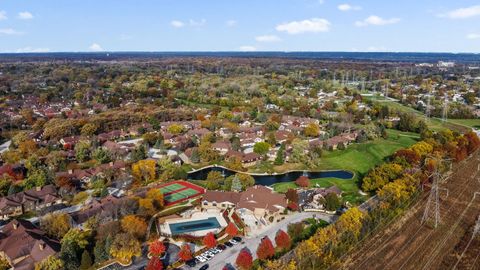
[351, 221]
[134, 225]
[125, 246]
[144, 171]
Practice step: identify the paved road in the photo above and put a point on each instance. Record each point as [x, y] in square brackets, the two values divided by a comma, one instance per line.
[230, 254]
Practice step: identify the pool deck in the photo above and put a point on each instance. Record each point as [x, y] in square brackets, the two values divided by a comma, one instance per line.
[165, 228]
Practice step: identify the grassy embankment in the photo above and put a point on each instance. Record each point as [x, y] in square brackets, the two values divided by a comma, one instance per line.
[358, 158]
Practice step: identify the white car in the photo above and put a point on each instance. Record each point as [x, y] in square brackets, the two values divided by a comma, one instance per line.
[233, 242]
[201, 259]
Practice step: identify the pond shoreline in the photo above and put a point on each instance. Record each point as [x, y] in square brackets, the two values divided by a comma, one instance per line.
[267, 179]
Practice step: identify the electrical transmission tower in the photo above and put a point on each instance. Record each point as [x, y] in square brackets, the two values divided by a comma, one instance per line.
[427, 111]
[445, 108]
[432, 209]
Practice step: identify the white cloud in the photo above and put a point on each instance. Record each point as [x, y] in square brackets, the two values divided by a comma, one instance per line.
[376, 49]
[194, 23]
[321, 2]
[473, 36]
[9, 31]
[25, 15]
[95, 47]
[462, 13]
[347, 7]
[231, 23]
[3, 15]
[177, 24]
[191, 22]
[247, 48]
[267, 38]
[313, 25]
[376, 20]
[32, 50]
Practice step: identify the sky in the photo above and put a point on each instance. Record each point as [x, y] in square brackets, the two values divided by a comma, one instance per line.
[239, 25]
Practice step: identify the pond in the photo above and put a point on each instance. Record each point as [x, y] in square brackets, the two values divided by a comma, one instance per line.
[270, 179]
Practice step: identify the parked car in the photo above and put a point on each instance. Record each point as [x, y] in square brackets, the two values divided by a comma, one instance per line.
[228, 244]
[205, 267]
[237, 238]
[191, 263]
[208, 256]
[214, 251]
[233, 241]
[221, 247]
[201, 259]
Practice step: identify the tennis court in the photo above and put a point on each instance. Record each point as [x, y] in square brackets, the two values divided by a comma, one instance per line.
[179, 191]
[171, 188]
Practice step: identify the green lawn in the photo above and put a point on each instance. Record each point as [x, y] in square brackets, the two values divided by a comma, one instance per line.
[433, 123]
[474, 123]
[349, 187]
[360, 158]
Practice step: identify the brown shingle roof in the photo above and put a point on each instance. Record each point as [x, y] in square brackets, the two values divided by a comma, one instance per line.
[20, 238]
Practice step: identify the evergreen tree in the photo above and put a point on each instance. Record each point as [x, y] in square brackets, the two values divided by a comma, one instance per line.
[236, 184]
[279, 160]
[86, 261]
[99, 252]
[195, 158]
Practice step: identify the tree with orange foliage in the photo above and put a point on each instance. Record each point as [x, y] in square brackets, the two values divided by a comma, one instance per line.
[134, 225]
[473, 142]
[156, 248]
[185, 253]
[244, 260]
[154, 264]
[209, 240]
[265, 249]
[302, 181]
[231, 229]
[283, 241]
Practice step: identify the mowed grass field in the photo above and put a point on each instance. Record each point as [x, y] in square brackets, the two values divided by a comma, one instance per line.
[358, 158]
[473, 123]
[433, 123]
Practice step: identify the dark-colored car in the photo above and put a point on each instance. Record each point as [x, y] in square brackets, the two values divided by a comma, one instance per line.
[191, 263]
[238, 239]
[221, 247]
[228, 244]
[205, 267]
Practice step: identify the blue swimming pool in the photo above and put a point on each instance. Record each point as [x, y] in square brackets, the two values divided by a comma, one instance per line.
[196, 225]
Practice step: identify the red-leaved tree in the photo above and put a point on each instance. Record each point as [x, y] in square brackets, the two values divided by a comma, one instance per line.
[292, 206]
[283, 241]
[244, 260]
[185, 253]
[209, 240]
[156, 248]
[302, 181]
[231, 229]
[154, 264]
[265, 249]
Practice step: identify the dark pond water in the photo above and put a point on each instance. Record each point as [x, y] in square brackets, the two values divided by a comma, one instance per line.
[268, 180]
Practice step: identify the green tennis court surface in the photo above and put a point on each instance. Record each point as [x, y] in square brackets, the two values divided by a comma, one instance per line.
[172, 187]
[181, 195]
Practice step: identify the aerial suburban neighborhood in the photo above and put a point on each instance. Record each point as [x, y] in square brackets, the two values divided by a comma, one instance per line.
[270, 156]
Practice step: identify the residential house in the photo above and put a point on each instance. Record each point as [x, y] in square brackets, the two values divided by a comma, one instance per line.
[23, 245]
[222, 146]
[30, 200]
[258, 202]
